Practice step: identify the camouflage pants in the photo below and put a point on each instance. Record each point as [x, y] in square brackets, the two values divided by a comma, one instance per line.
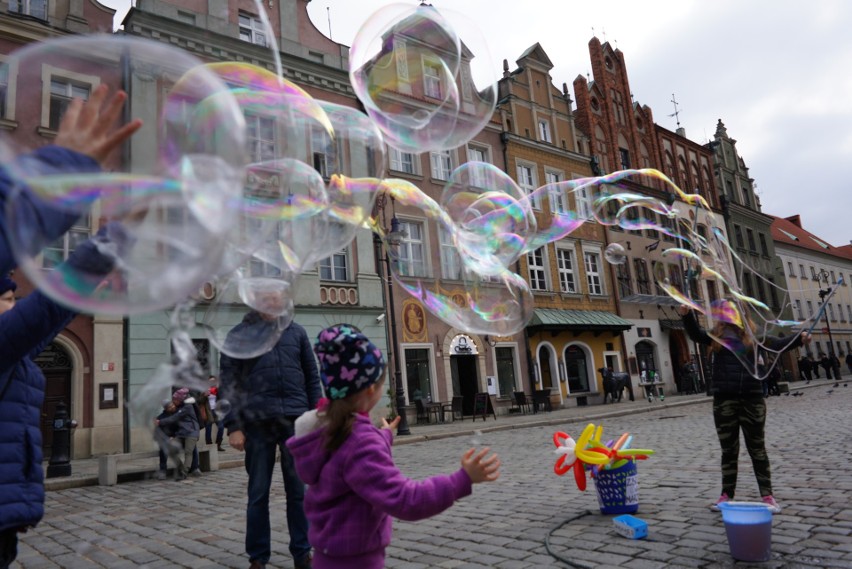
[731, 415]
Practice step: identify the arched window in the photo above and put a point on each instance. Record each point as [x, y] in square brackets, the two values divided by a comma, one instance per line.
[547, 374]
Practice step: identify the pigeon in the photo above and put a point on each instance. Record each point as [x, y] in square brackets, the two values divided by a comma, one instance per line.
[787, 393]
[798, 394]
[836, 384]
[844, 385]
[830, 391]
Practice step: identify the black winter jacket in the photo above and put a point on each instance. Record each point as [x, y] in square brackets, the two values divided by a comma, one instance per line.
[282, 383]
[730, 377]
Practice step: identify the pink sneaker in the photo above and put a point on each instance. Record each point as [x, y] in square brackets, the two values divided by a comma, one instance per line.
[723, 498]
[773, 505]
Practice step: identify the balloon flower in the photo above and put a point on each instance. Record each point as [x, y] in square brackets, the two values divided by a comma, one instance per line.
[589, 453]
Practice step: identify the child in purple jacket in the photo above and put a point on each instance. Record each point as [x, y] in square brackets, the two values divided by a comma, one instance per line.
[354, 488]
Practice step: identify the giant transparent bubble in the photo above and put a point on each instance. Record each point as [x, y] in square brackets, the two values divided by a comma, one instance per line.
[161, 218]
[425, 77]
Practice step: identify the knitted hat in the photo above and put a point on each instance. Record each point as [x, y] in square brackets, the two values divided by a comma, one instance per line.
[7, 284]
[349, 362]
[181, 394]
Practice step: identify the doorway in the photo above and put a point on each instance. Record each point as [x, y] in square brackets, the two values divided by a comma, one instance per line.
[56, 365]
[465, 380]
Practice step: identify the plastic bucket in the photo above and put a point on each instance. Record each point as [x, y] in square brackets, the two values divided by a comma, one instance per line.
[749, 529]
[618, 489]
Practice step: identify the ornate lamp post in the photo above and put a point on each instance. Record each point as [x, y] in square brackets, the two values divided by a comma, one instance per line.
[394, 238]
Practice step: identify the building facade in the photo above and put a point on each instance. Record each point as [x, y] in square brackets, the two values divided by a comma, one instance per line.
[575, 330]
[83, 365]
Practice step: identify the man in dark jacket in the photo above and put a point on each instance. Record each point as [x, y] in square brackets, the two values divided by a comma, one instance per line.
[266, 395]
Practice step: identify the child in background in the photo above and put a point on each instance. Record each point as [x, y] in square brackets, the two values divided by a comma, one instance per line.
[354, 486]
[164, 435]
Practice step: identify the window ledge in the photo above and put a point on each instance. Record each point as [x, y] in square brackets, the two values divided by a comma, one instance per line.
[6, 124]
[46, 132]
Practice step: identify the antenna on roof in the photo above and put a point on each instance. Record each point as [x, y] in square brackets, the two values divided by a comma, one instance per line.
[593, 31]
[328, 10]
[603, 31]
[675, 114]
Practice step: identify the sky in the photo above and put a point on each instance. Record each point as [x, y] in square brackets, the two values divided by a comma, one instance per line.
[777, 72]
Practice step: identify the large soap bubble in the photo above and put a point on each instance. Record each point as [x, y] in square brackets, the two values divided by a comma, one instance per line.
[162, 218]
[426, 79]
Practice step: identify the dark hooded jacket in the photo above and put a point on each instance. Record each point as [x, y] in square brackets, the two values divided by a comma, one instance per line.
[283, 383]
[729, 376]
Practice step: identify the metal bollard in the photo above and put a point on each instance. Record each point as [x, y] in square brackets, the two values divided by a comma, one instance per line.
[60, 456]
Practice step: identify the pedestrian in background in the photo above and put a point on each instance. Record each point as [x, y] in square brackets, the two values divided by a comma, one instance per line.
[826, 365]
[267, 395]
[215, 419]
[738, 402]
[184, 422]
[805, 368]
[355, 489]
[849, 361]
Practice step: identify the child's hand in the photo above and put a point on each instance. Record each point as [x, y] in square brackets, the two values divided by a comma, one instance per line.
[393, 424]
[480, 468]
[86, 127]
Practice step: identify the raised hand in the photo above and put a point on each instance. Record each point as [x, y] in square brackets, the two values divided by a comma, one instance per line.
[393, 424]
[86, 126]
[480, 468]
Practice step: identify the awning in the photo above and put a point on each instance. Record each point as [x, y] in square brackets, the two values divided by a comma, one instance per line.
[580, 320]
[671, 324]
[663, 300]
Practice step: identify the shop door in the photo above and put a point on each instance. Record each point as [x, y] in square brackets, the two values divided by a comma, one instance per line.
[465, 379]
[56, 366]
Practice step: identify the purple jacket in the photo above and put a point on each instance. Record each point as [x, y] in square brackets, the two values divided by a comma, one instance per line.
[354, 491]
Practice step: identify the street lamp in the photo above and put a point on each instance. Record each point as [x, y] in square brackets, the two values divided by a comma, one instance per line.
[393, 238]
[824, 292]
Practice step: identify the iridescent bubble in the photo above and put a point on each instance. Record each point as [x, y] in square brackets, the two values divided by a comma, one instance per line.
[242, 331]
[425, 77]
[615, 254]
[223, 407]
[161, 223]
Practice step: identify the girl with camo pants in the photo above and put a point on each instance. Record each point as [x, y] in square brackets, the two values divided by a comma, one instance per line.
[738, 402]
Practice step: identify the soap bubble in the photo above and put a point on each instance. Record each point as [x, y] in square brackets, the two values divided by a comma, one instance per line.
[161, 228]
[615, 254]
[425, 77]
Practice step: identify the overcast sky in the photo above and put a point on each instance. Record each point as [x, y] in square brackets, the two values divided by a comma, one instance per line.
[777, 72]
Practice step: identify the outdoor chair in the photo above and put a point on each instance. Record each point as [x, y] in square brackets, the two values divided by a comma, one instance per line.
[520, 402]
[454, 408]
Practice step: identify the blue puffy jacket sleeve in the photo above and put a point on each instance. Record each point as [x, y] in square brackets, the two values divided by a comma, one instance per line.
[40, 216]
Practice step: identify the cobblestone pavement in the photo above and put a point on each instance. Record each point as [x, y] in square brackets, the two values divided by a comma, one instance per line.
[198, 523]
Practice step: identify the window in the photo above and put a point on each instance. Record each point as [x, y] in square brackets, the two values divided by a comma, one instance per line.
[320, 150]
[538, 274]
[583, 199]
[477, 154]
[840, 313]
[432, 79]
[764, 249]
[62, 91]
[565, 261]
[622, 273]
[738, 235]
[799, 314]
[810, 309]
[418, 374]
[527, 183]
[625, 158]
[593, 276]
[402, 161]
[544, 131]
[813, 274]
[802, 272]
[831, 313]
[833, 279]
[442, 164]
[260, 135]
[849, 311]
[746, 196]
[674, 277]
[450, 260]
[640, 266]
[251, 30]
[58, 251]
[555, 193]
[790, 268]
[4, 88]
[186, 17]
[34, 8]
[505, 370]
[712, 295]
[752, 245]
[412, 256]
[335, 267]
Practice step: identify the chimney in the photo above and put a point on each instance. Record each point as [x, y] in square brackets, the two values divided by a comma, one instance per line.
[795, 220]
[681, 131]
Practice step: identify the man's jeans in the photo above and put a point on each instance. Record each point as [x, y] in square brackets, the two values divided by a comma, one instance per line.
[262, 439]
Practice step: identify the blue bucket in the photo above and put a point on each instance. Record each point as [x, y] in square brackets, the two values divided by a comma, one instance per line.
[749, 529]
[618, 489]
